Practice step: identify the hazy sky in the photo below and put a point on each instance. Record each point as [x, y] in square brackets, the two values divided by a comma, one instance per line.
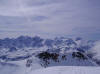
[50, 18]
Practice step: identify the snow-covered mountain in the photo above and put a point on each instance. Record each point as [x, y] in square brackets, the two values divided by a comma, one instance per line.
[33, 53]
[24, 47]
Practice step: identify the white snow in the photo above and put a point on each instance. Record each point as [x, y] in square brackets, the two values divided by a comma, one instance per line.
[68, 70]
[37, 69]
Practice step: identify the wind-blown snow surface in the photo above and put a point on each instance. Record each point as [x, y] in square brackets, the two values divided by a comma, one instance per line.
[49, 70]
[18, 67]
[68, 70]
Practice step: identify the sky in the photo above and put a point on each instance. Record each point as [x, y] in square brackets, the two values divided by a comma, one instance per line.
[50, 18]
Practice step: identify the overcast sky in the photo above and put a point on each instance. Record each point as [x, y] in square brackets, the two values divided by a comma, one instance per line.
[50, 18]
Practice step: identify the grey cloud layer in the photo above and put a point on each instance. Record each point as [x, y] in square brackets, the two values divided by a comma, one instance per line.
[53, 17]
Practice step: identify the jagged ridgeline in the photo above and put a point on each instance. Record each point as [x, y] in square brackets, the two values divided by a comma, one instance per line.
[26, 41]
[50, 52]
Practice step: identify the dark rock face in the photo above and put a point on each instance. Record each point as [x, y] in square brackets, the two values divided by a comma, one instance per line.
[79, 55]
[29, 62]
[46, 57]
[12, 49]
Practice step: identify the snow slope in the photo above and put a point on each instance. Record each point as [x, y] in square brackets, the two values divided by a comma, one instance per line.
[50, 70]
[19, 67]
[68, 70]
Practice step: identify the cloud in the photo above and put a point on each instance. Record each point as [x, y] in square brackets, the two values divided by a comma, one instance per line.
[96, 50]
[53, 17]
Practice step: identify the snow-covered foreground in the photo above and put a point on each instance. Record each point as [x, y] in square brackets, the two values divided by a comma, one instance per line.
[69, 66]
[18, 67]
[68, 70]
[50, 70]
